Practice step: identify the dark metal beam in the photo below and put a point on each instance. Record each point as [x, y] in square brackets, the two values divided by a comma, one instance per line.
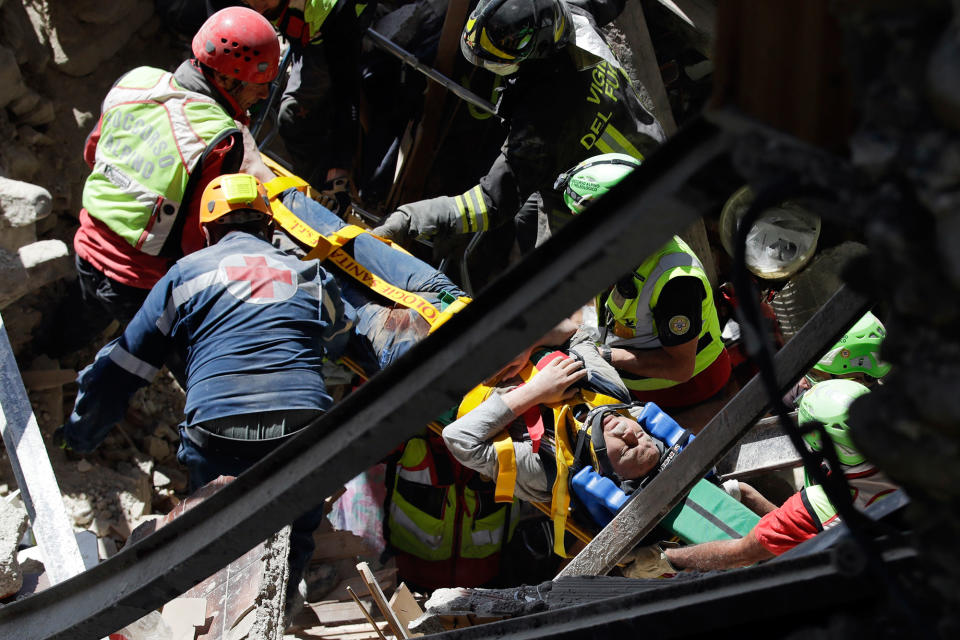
[642, 513]
[713, 605]
[635, 219]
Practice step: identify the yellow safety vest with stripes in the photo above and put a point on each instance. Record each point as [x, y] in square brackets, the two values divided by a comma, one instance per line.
[632, 319]
[153, 133]
[437, 518]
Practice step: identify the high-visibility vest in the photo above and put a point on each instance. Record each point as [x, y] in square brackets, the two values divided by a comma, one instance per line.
[439, 510]
[153, 133]
[632, 320]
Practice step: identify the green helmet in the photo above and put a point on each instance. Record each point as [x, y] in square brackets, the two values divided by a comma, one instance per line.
[828, 402]
[592, 178]
[858, 350]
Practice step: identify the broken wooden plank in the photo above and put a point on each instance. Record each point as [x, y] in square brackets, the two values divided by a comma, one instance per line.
[396, 627]
[329, 613]
[405, 606]
[366, 614]
[643, 512]
[35, 478]
[386, 577]
[43, 379]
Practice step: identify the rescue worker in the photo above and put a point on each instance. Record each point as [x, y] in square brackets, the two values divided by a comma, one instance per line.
[632, 452]
[253, 324]
[319, 109]
[160, 139]
[658, 325]
[803, 515]
[856, 356]
[566, 98]
[443, 522]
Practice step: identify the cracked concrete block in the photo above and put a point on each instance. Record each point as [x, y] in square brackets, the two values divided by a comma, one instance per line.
[11, 82]
[22, 203]
[13, 523]
[32, 267]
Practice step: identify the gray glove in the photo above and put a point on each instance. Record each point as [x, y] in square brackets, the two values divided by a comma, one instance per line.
[649, 562]
[396, 227]
[600, 372]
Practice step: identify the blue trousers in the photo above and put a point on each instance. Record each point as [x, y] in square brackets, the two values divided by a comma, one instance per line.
[205, 464]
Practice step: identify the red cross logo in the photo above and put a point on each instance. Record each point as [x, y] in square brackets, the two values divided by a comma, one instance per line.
[266, 283]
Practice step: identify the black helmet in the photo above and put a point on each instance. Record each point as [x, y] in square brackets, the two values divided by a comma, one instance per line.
[500, 34]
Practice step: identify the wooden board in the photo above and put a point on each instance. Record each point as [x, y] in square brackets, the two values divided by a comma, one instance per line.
[396, 627]
[385, 577]
[331, 613]
[406, 607]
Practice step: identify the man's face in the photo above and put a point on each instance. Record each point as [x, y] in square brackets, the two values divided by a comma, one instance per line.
[246, 94]
[632, 452]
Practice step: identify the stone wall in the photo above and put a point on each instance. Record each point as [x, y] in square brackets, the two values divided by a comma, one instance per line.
[57, 61]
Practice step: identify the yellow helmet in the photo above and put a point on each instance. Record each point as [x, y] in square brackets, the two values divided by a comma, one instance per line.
[235, 198]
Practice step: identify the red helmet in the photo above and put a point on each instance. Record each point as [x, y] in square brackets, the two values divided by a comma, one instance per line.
[240, 43]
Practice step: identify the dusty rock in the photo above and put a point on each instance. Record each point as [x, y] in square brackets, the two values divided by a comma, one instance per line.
[157, 448]
[35, 265]
[19, 35]
[11, 83]
[40, 111]
[22, 203]
[78, 47]
[13, 522]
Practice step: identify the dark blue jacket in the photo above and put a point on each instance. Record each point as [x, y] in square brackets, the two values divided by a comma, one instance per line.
[252, 323]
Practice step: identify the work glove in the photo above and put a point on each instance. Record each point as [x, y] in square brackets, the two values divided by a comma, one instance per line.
[649, 562]
[600, 373]
[396, 228]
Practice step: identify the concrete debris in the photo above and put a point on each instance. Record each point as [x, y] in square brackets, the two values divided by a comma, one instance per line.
[13, 523]
[22, 204]
[150, 627]
[10, 78]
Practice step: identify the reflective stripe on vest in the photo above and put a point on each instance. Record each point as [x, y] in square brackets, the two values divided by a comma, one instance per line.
[634, 323]
[152, 134]
[409, 525]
